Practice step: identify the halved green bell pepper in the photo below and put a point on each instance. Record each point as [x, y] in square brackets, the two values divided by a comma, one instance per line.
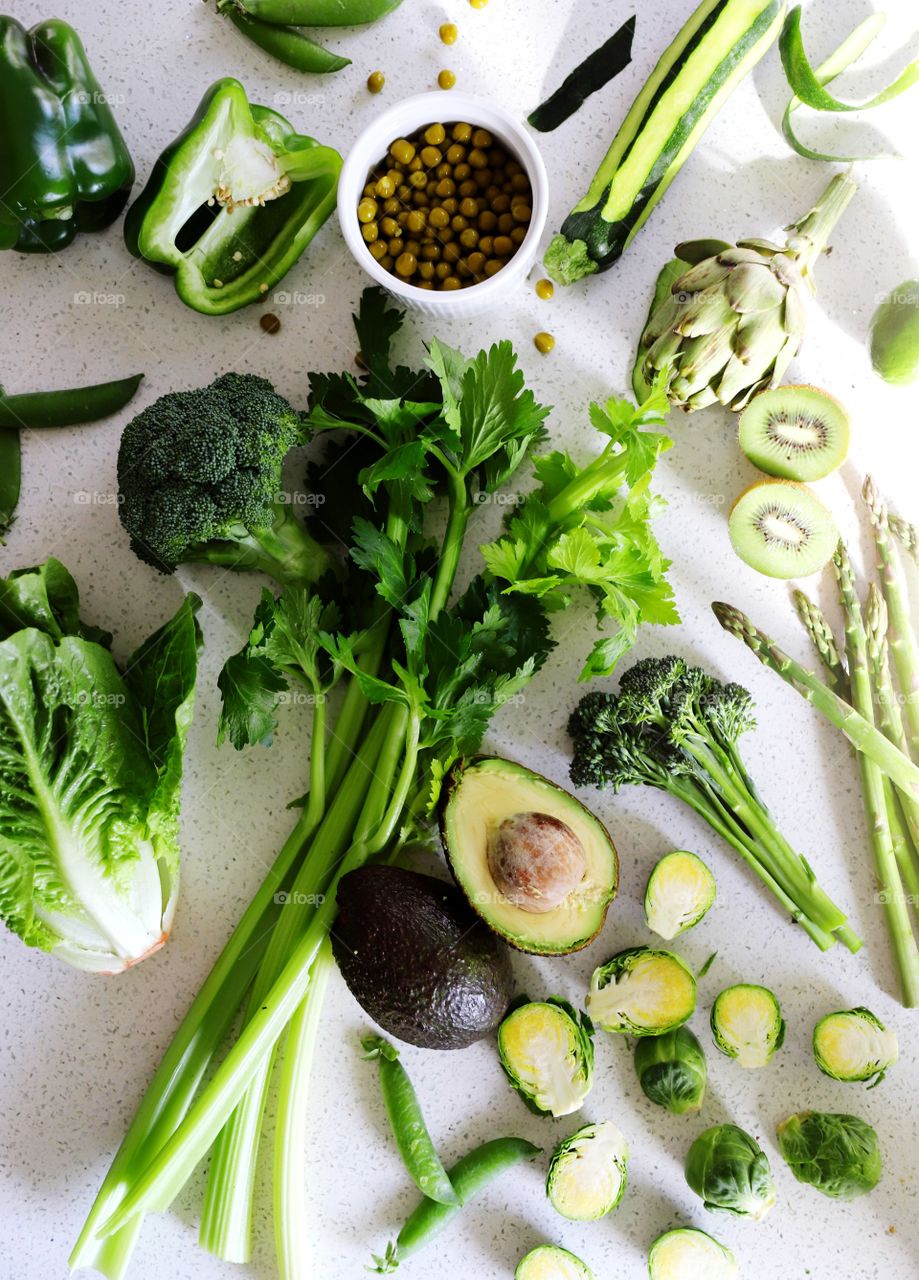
[64, 166]
[233, 202]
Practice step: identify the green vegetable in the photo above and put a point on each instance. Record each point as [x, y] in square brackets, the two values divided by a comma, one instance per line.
[469, 1176]
[747, 1024]
[736, 318]
[546, 1048]
[418, 1152]
[676, 728]
[730, 1172]
[90, 774]
[807, 84]
[904, 646]
[551, 1262]
[597, 69]
[65, 165]
[853, 1045]
[896, 909]
[719, 44]
[679, 892]
[38, 409]
[860, 732]
[668, 274]
[641, 992]
[422, 672]
[894, 336]
[907, 535]
[233, 202]
[592, 525]
[672, 1071]
[289, 45]
[315, 13]
[200, 476]
[688, 1254]
[587, 1172]
[837, 1154]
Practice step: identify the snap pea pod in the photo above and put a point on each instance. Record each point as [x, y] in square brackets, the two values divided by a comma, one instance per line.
[319, 13]
[407, 1123]
[69, 407]
[469, 1175]
[38, 409]
[288, 44]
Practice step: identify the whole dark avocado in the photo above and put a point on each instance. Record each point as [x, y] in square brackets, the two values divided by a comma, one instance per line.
[418, 960]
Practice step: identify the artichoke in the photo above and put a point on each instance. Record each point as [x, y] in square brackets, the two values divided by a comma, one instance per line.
[735, 320]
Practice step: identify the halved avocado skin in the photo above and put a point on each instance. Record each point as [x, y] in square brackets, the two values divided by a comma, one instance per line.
[452, 783]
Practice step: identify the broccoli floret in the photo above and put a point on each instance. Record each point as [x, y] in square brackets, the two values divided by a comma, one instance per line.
[200, 475]
[676, 727]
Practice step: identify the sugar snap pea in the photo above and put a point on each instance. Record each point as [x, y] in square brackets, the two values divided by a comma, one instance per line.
[320, 13]
[407, 1123]
[288, 44]
[69, 407]
[469, 1175]
[39, 409]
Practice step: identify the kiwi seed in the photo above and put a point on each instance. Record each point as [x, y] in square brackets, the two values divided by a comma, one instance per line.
[796, 433]
[782, 530]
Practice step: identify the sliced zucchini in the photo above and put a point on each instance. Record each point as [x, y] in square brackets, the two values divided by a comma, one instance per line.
[587, 1172]
[642, 992]
[720, 43]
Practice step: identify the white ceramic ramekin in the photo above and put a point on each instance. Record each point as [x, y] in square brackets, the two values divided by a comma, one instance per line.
[404, 119]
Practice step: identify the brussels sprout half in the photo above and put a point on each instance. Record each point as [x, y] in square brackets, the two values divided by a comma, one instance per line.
[680, 891]
[671, 1070]
[837, 1154]
[731, 1173]
[546, 1049]
[747, 1024]
[552, 1262]
[854, 1045]
[642, 992]
[688, 1254]
[587, 1172]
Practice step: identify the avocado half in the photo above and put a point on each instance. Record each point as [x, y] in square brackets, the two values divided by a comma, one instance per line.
[482, 799]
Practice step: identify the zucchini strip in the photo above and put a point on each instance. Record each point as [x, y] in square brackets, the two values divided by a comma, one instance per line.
[597, 69]
[718, 46]
[807, 83]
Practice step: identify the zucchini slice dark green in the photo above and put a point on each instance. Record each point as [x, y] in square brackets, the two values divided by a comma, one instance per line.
[721, 42]
[597, 69]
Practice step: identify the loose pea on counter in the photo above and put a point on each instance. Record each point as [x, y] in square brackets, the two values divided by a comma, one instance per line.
[446, 208]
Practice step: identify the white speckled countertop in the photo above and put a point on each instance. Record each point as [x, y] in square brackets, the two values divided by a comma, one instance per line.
[76, 1051]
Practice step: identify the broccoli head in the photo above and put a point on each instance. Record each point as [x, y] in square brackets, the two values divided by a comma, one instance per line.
[200, 475]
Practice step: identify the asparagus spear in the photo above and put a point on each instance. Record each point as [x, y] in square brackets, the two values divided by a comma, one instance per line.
[899, 925]
[861, 732]
[906, 534]
[902, 812]
[904, 840]
[902, 641]
[824, 642]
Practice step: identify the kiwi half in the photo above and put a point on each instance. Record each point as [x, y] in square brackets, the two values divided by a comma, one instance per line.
[782, 530]
[798, 433]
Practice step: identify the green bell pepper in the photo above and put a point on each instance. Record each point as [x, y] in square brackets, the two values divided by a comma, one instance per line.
[63, 162]
[233, 202]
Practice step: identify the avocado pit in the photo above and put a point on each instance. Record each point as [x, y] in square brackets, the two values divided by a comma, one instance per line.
[536, 861]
